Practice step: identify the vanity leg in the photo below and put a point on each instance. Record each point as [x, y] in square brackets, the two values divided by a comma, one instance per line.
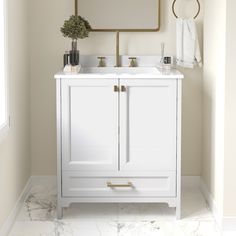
[59, 212]
[178, 213]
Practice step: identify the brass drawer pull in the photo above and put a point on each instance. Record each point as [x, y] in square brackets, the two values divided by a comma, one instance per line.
[116, 88]
[123, 88]
[128, 185]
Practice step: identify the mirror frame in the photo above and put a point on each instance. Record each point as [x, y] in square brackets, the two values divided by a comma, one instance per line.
[127, 30]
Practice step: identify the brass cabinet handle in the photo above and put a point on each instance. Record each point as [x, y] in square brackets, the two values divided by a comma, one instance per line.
[116, 88]
[128, 185]
[123, 88]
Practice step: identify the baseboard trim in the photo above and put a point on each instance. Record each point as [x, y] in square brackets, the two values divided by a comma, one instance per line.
[224, 223]
[211, 202]
[186, 181]
[7, 225]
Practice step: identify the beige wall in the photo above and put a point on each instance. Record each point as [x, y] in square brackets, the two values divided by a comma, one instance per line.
[14, 147]
[219, 105]
[230, 114]
[213, 98]
[47, 47]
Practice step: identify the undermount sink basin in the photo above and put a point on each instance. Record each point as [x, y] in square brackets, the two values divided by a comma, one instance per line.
[119, 70]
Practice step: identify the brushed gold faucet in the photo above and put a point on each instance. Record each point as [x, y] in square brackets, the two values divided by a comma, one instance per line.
[117, 49]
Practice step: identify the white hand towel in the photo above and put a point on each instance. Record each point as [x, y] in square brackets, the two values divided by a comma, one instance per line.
[187, 45]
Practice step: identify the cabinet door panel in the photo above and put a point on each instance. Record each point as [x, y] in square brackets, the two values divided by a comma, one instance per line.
[89, 125]
[148, 125]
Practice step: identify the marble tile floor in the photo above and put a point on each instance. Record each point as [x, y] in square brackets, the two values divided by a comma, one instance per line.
[38, 217]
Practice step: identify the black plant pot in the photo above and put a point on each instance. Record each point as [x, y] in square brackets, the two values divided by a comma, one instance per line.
[74, 54]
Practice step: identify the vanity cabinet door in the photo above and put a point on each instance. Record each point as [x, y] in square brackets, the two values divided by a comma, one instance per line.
[89, 120]
[148, 125]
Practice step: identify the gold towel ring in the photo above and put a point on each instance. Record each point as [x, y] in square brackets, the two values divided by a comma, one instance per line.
[198, 11]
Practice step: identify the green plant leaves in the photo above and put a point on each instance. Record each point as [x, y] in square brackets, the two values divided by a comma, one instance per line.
[76, 28]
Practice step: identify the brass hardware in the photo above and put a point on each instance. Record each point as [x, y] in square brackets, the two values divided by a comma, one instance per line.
[123, 88]
[117, 49]
[116, 88]
[133, 62]
[128, 185]
[101, 62]
[198, 11]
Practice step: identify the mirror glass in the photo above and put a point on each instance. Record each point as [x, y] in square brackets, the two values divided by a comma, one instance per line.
[121, 15]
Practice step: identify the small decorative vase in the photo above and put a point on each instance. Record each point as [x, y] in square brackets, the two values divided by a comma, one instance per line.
[74, 54]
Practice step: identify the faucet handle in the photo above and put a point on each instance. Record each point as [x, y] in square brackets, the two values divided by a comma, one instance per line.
[133, 62]
[101, 62]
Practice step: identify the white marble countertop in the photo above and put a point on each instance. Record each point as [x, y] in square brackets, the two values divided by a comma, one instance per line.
[139, 73]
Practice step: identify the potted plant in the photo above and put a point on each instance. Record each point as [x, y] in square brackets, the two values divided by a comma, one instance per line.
[75, 28]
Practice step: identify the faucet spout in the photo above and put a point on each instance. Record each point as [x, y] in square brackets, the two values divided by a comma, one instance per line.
[117, 49]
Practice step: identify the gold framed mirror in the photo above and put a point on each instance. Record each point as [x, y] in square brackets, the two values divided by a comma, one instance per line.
[120, 15]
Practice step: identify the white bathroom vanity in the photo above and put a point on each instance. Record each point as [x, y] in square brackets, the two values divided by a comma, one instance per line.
[119, 136]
